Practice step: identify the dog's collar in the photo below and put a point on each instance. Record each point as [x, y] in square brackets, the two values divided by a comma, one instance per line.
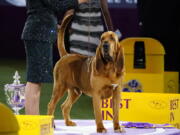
[114, 86]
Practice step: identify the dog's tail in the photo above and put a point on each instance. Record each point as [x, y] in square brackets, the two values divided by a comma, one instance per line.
[61, 33]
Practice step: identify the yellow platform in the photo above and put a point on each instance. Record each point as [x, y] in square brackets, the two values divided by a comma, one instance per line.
[146, 107]
[35, 124]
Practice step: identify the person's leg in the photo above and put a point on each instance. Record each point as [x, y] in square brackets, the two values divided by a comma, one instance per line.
[39, 70]
[32, 96]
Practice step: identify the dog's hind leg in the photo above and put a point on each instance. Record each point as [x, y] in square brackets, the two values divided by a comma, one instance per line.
[66, 106]
[58, 93]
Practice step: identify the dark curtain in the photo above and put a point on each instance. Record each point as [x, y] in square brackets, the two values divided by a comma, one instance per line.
[160, 19]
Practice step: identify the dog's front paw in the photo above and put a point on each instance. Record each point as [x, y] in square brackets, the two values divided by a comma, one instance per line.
[70, 123]
[101, 130]
[119, 130]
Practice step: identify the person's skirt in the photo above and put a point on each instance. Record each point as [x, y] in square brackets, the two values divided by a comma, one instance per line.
[39, 61]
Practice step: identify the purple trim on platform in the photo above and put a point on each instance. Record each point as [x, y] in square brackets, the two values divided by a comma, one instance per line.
[88, 127]
[145, 125]
[137, 125]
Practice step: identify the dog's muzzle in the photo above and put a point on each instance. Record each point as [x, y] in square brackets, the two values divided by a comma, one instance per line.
[106, 48]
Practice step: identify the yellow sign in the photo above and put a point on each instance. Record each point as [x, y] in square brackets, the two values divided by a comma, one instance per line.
[144, 63]
[166, 82]
[155, 108]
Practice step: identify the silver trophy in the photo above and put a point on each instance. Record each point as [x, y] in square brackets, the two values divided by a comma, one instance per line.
[15, 94]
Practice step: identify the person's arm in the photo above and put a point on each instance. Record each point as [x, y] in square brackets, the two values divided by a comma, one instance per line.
[106, 14]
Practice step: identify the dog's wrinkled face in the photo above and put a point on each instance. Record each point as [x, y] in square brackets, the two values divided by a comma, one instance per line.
[108, 45]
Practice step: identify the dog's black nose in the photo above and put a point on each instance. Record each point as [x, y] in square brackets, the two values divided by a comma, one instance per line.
[106, 46]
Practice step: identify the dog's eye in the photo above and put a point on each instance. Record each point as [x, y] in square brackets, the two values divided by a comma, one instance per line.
[102, 38]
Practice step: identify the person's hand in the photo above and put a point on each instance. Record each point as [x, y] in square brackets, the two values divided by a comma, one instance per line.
[59, 26]
[71, 11]
[82, 1]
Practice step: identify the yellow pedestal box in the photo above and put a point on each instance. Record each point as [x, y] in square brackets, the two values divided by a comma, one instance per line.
[171, 82]
[154, 108]
[144, 65]
[166, 82]
[35, 124]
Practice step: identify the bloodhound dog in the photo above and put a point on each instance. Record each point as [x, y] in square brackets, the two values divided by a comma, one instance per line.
[99, 76]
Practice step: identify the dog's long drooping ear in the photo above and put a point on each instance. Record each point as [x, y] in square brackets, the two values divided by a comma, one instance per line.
[120, 58]
[99, 62]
